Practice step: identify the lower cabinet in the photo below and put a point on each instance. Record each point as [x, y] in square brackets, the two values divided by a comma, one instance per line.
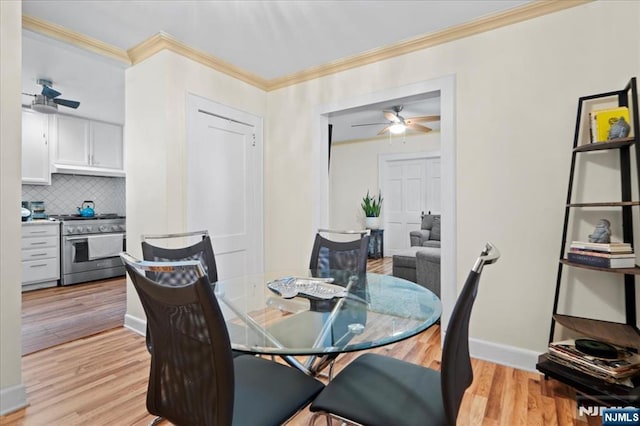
[40, 255]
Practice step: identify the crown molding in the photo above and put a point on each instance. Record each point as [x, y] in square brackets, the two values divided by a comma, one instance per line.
[512, 16]
[76, 39]
[162, 41]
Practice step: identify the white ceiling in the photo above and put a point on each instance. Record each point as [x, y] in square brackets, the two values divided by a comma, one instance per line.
[268, 38]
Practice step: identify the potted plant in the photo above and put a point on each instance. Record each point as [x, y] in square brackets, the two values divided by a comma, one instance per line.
[371, 208]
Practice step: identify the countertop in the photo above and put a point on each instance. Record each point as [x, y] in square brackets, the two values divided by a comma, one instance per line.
[41, 222]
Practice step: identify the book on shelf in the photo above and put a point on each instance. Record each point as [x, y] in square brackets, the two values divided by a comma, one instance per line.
[606, 255]
[601, 262]
[615, 247]
[602, 120]
[627, 363]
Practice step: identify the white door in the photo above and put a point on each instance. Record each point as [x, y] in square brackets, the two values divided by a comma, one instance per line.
[410, 186]
[224, 181]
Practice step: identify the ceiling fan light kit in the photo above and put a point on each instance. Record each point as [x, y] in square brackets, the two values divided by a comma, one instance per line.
[397, 128]
[44, 105]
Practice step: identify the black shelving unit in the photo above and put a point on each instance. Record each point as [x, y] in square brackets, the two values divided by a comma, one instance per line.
[624, 334]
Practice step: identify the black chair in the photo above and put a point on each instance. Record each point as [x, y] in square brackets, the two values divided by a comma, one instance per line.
[201, 251]
[349, 256]
[379, 390]
[194, 379]
[345, 262]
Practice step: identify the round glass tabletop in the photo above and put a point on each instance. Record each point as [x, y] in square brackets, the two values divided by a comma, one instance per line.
[323, 313]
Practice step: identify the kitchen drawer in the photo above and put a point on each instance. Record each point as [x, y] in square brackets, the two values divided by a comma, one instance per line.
[40, 270]
[40, 253]
[39, 242]
[40, 230]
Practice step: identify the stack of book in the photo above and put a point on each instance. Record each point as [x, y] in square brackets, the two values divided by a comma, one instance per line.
[602, 120]
[602, 255]
[617, 370]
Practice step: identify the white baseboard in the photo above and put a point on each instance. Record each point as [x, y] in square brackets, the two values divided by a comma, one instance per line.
[12, 398]
[510, 356]
[135, 324]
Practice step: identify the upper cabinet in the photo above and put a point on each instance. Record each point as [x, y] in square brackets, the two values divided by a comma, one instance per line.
[35, 148]
[87, 147]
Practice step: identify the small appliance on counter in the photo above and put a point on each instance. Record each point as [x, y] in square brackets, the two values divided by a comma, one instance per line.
[25, 212]
[38, 210]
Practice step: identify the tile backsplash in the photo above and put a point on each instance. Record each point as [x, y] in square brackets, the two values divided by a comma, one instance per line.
[67, 192]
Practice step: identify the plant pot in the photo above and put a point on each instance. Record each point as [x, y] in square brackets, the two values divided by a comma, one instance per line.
[372, 222]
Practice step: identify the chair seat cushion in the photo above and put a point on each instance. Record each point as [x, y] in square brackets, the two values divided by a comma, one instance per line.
[267, 392]
[379, 390]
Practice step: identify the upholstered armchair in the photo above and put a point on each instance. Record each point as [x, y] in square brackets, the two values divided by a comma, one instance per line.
[429, 233]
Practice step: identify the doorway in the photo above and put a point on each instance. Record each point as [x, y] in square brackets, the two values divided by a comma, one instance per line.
[446, 87]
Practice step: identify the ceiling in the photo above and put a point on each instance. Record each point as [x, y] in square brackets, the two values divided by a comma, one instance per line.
[270, 39]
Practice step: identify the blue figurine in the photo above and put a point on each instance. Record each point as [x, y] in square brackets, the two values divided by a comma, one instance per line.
[619, 129]
[602, 233]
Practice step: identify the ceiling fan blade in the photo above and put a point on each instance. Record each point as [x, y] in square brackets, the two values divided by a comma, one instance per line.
[49, 92]
[418, 127]
[391, 116]
[386, 129]
[423, 118]
[368, 124]
[67, 103]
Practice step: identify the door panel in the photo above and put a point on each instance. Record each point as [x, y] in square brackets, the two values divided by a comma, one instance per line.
[221, 191]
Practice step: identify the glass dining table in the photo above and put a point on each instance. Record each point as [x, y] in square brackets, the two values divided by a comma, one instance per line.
[318, 315]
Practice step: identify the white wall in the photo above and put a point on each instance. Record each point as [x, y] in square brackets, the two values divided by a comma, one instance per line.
[155, 144]
[354, 171]
[12, 394]
[517, 89]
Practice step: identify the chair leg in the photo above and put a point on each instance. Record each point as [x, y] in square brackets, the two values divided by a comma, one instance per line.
[312, 419]
[156, 421]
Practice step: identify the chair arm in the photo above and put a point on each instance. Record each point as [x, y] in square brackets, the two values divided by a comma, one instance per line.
[418, 237]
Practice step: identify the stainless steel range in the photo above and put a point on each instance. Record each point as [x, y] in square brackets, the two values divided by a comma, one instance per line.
[90, 246]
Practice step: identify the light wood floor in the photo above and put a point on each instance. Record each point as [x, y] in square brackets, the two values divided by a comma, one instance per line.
[58, 315]
[101, 380]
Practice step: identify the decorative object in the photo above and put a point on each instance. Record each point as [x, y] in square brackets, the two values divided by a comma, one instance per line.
[602, 233]
[619, 129]
[371, 208]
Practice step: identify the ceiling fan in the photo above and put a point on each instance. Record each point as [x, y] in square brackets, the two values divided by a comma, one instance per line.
[47, 101]
[398, 124]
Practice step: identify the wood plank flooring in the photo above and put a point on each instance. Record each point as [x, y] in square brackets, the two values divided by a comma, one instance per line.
[101, 379]
[58, 315]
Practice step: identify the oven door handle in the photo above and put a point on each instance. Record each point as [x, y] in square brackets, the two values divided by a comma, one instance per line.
[84, 237]
[75, 238]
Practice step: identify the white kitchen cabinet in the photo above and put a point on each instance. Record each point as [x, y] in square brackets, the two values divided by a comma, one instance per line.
[40, 254]
[35, 148]
[106, 145]
[88, 147]
[72, 136]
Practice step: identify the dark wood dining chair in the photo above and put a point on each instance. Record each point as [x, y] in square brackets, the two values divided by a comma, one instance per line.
[379, 390]
[194, 379]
